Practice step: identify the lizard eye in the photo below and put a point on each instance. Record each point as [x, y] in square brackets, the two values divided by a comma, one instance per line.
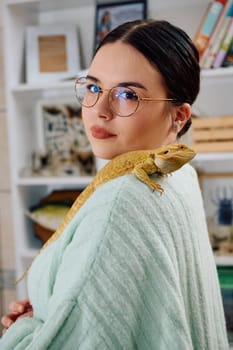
[165, 152]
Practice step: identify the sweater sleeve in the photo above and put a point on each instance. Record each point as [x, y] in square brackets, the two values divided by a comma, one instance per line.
[32, 333]
[114, 287]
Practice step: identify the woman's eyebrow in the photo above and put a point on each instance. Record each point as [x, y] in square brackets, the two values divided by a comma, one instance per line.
[132, 83]
[92, 78]
[122, 84]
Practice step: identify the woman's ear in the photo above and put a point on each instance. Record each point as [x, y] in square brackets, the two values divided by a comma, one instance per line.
[180, 116]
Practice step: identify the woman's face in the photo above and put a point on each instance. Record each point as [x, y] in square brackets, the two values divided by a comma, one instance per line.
[149, 127]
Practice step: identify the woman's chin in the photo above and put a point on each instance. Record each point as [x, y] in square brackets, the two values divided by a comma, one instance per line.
[105, 153]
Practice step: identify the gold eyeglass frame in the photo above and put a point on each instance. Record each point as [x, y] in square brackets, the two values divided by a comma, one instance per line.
[101, 91]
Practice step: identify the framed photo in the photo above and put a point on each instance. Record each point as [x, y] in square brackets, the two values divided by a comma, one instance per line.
[111, 14]
[52, 53]
[62, 139]
[217, 191]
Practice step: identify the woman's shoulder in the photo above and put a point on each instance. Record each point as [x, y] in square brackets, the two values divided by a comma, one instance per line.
[130, 189]
[130, 184]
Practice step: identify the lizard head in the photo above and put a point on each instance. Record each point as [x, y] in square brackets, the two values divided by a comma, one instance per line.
[172, 157]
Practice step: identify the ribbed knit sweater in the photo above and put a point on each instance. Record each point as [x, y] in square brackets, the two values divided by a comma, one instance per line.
[133, 270]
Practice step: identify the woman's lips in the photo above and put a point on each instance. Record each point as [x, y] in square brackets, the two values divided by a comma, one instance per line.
[100, 133]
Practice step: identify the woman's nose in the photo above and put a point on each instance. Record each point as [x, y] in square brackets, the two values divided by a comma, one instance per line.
[102, 106]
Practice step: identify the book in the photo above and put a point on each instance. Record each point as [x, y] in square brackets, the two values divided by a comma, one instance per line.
[209, 22]
[228, 60]
[217, 36]
[198, 30]
[225, 46]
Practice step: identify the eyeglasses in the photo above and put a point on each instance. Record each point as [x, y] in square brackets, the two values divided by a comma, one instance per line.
[123, 101]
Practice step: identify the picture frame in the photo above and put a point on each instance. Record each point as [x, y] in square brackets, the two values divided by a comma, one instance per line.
[111, 14]
[63, 148]
[217, 193]
[52, 53]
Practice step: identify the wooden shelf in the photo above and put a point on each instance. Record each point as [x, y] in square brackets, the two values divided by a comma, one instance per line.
[29, 254]
[219, 72]
[56, 85]
[224, 260]
[21, 2]
[28, 88]
[213, 157]
[49, 4]
[44, 181]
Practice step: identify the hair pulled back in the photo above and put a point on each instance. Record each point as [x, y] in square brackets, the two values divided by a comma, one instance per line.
[170, 50]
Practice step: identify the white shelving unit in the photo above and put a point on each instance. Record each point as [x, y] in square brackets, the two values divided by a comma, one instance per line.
[21, 102]
[215, 98]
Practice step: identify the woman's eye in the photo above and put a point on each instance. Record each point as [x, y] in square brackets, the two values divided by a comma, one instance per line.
[93, 88]
[127, 95]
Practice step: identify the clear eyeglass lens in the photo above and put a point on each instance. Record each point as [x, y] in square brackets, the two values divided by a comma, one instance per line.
[87, 93]
[123, 101]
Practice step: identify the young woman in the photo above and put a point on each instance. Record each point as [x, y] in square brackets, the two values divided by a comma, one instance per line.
[133, 269]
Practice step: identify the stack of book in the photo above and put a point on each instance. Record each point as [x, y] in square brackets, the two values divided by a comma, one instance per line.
[214, 36]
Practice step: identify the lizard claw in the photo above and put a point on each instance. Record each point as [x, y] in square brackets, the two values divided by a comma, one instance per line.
[156, 187]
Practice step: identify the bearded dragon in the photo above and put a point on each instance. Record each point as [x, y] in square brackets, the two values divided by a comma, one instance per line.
[161, 161]
[143, 163]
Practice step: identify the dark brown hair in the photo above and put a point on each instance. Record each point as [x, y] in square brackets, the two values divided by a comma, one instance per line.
[170, 50]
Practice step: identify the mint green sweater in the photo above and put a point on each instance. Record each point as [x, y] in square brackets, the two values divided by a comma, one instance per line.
[133, 270]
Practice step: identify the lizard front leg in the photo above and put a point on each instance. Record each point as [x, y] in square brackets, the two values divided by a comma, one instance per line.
[143, 169]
